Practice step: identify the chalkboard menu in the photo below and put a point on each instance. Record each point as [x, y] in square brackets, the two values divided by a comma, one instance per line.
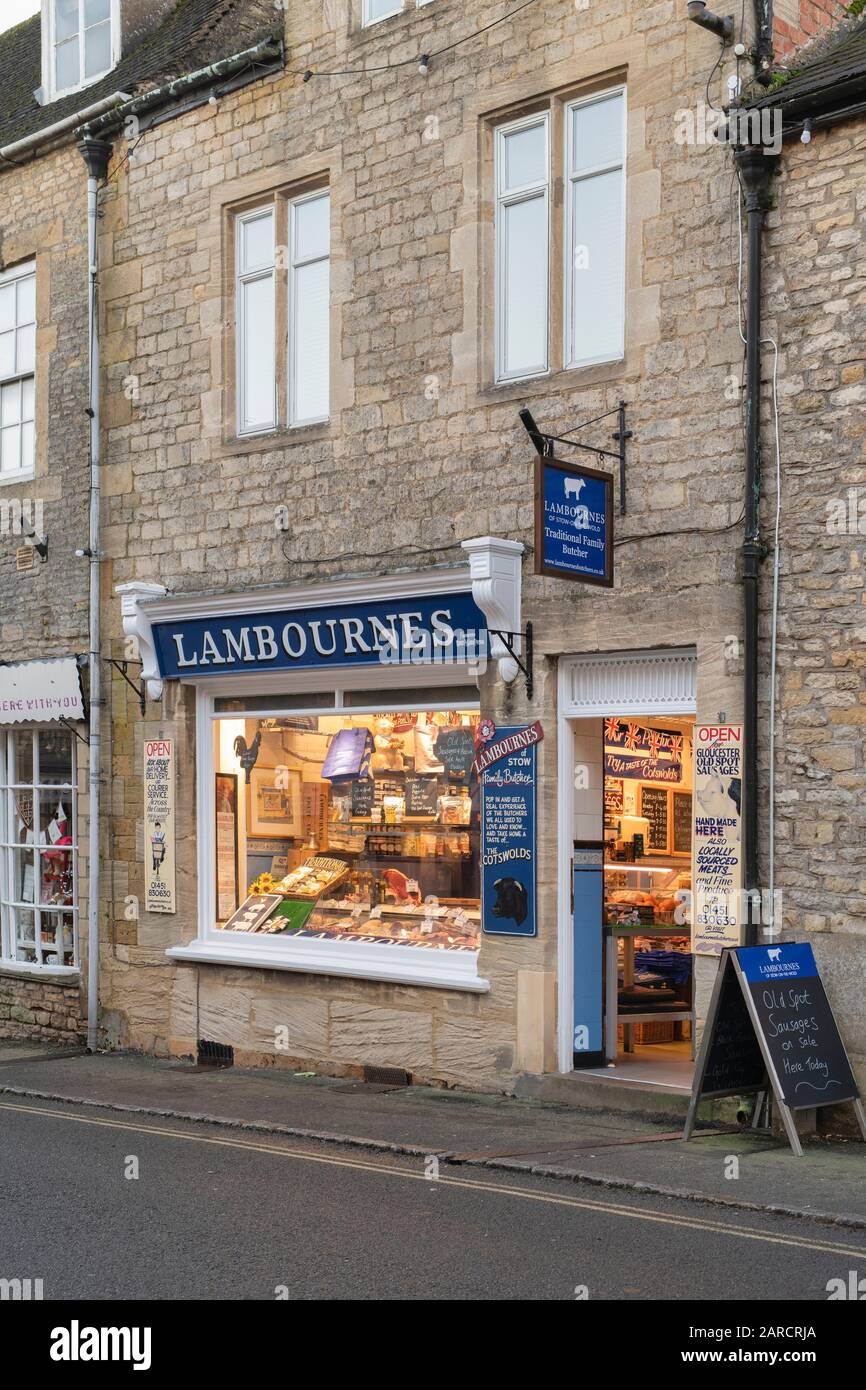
[363, 789]
[734, 1063]
[613, 800]
[421, 796]
[654, 805]
[682, 819]
[770, 1026]
[455, 749]
[797, 1025]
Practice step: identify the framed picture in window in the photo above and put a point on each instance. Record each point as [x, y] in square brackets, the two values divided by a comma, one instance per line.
[226, 836]
[274, 807]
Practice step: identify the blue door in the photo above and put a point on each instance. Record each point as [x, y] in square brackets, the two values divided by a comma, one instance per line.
[587, 895]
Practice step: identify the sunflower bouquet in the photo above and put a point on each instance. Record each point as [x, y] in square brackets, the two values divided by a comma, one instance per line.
[261, 885]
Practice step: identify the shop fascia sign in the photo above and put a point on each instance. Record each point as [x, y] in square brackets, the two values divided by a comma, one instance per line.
[448, 627]
[431, 617]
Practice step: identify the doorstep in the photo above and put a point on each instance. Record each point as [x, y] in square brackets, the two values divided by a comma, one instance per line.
[601, 1089]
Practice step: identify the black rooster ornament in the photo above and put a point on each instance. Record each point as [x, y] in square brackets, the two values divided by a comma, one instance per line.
[247, 756]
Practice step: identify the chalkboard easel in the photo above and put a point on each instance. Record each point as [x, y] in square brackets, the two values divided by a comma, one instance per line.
[770, 1027]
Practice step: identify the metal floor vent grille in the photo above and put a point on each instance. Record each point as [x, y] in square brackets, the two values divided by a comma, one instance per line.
[214, 1054]
[387, 1076]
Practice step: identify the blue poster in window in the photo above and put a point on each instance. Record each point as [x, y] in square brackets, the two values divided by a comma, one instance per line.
[573, 522]
[508, 843]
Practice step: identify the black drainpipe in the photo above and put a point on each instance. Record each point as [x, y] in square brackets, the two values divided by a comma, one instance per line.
[755, 169]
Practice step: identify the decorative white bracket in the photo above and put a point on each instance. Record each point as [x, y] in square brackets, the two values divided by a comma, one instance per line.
[134, 598]
[495, 571]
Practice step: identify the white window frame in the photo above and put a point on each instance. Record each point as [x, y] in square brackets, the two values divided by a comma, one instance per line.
[569, 180]
[294, 349]
[264, 271]
[13, 277]
[368, 19]
[504, 200]
[49, 84]
[9, 907]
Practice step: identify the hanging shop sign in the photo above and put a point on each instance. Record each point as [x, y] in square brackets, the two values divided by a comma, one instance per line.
[573, 522]
[642, 754]
[444, 628]
[717, 838]
[39, 691]
[159, 829]
[770, 1027]
[508, 839]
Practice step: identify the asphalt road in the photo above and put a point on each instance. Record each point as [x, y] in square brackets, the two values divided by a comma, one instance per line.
[213, 1214]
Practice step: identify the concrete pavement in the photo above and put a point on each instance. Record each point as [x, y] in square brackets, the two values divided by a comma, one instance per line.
[735, 1170]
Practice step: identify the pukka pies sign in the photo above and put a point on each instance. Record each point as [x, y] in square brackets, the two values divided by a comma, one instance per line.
[439, 628]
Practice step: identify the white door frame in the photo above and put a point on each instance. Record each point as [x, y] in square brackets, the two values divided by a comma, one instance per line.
[661, 682]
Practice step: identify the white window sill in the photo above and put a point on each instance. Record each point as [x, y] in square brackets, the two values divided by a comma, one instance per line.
[7, 478]
[56, 974]
[393, 964]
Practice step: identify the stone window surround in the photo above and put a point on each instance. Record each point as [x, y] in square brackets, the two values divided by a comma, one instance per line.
[219, 413]
[603, 68]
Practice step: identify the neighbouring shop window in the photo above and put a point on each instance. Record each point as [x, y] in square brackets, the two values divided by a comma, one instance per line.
[588, 276]
[38, 852]
[17, 365]
[283, 298]
[353, 827]
[81, 42]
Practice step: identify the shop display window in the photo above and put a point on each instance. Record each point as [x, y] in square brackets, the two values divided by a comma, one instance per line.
[354, 827]
[38, 847]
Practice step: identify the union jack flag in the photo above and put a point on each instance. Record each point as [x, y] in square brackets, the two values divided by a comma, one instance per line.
[676, 746]
[612, 731]
[633, 737]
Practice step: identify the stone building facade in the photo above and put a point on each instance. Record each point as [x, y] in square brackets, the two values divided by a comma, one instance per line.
[423, 450]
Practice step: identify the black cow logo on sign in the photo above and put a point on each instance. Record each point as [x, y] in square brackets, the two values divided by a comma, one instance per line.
[511, 900]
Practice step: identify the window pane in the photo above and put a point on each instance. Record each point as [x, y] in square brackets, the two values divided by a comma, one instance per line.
[597, 278]
[10, 449]
[525, 157]
[7, 354]
[55, 760]
[380, 9]
[27, 399]
[21, 763]
[65, 18]
[257, 242]
[392, 805]
[257, 353]
[26, 289]
[597, 133]
[96, 10]
[28, 439]
[7, 307]
[312, 228]
[23, 872]
[66, 60]
[10, 404]
[26, 359]
[524, 252]
[97, 50]
[311, 344]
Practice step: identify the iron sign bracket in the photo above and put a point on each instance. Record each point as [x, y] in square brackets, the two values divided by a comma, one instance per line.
[544, 442]
[508, 639]
[122, 667]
